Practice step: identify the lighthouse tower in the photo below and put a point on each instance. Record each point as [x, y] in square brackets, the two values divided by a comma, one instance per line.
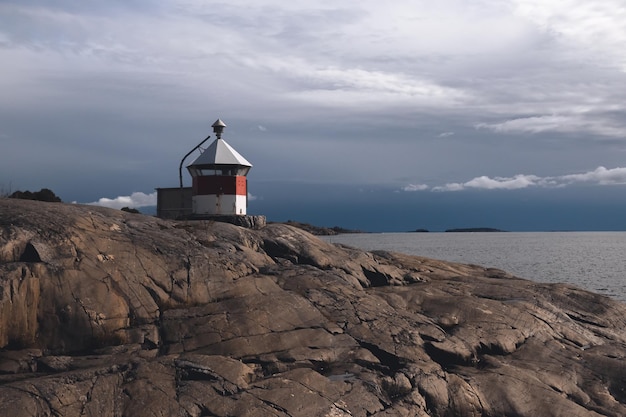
[219, 179]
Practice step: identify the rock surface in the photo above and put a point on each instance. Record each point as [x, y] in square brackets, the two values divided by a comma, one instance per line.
[107, 313]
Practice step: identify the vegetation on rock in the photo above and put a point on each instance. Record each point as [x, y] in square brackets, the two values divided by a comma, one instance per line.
[44, 194]
[130, 210]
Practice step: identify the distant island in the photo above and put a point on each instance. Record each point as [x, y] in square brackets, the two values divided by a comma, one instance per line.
[474, 229]
[336, 230]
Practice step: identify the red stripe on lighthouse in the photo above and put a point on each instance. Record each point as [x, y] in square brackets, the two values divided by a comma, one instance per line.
[242, 185]
[219, 184]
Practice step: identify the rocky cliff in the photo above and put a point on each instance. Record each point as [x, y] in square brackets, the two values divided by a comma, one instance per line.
[107, 313]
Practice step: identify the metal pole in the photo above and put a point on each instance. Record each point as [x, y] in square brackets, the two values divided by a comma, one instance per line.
[180, 168]
[180, 175]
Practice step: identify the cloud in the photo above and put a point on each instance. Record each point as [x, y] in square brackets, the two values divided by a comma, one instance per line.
[135, 200]
[453, 186]
[599, 176]
[503, 183]
[95, 82]
[497, 183]
[533, 124]
[343, 86]
[138, 199]
[590, 26]
[415, 187]
[571, 123]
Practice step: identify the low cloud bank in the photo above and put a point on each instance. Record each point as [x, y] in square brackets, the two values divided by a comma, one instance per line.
[415, 187]
[599, 176]
[135, 200]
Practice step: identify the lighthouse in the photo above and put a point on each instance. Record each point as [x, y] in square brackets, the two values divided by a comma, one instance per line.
[219, 184]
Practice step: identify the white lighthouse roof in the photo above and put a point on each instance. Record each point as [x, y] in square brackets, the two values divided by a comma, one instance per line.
[219, 153]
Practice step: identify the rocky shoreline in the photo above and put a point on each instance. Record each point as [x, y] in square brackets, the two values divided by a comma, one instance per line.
[321, 230]
[108, 313]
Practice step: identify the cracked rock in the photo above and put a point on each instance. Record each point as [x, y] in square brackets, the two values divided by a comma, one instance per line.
[105, 313]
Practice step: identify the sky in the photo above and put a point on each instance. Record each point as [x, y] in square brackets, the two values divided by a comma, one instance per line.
[380, 116]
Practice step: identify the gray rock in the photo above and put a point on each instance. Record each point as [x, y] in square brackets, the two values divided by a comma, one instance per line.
[105, 313]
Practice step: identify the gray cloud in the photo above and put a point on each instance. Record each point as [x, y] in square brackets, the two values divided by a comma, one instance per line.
[312, 91]
[571, 123]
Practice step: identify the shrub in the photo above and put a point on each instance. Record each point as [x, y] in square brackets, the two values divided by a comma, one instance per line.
[42, 195]
[131, 210]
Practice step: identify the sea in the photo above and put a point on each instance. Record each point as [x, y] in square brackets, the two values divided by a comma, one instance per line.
[595, 261]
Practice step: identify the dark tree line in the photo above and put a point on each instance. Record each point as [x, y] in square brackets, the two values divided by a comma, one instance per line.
[42, 195]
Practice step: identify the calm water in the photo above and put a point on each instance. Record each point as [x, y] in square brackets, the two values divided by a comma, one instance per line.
[592, 260]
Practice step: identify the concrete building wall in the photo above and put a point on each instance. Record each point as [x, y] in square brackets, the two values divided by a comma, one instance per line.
[174, 203]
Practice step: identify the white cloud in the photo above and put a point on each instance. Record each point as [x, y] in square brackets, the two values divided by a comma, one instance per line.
[599, 176]
[135, 200]
[497, 183]
[454, 186]
[415, 187]
[445, 134]
[138, 199]
[503, 183]
[594, 27]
